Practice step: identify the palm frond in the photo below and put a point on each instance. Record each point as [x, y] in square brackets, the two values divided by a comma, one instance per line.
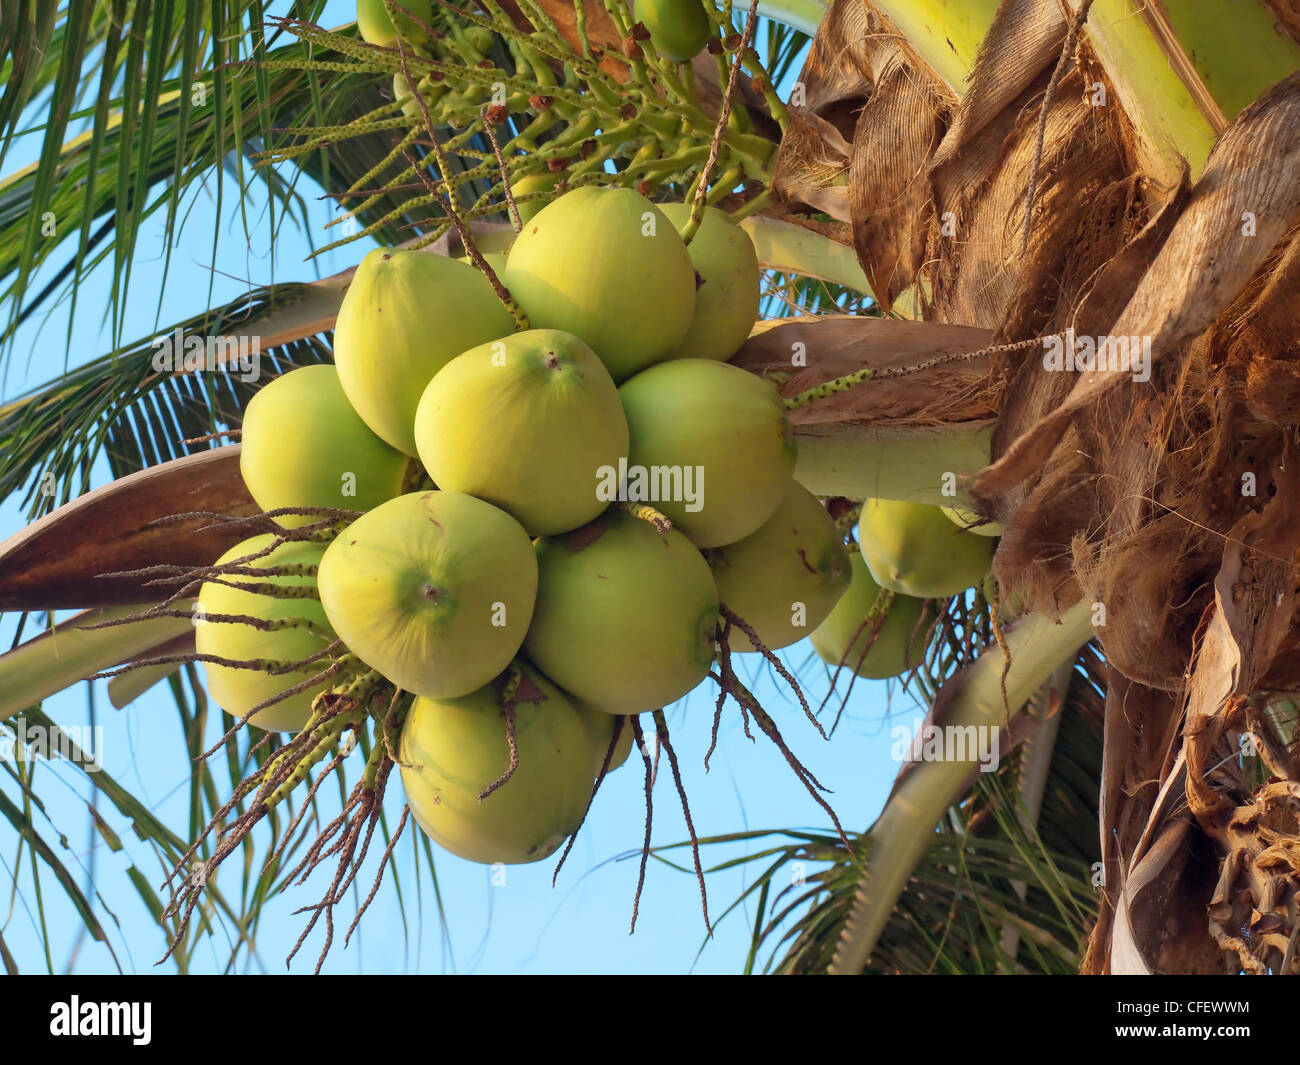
[170, 91]
[962, 895]
[120, 406]
[46, 841]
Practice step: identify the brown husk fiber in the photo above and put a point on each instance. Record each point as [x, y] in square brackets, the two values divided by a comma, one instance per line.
[1137, 496]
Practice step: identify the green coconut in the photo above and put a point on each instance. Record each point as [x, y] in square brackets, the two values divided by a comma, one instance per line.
[784, 578]
[971, 521]
[601, 727]
[432, 589]
[716, 430]
[451, 750]
[539, 181]
[427, 89]
[376, 25]
[304, 446]
[726, 303]
[494, 259]
[406, 315]
[606, 265]
[913, 548]
[237, 691]
[843, 636]
[625, 616]
[525, 422]
[494, 245]
[678, 28]
[480, 39]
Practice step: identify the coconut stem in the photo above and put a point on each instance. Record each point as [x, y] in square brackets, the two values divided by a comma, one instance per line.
[580, 26]
[724, 184]
[812, 785]
[490, 129]
[512, 743]
[648, 513]
[262, 588]
[870, 373]
[752, 206]
[620, 723]
[329, 736]
[730, 617]
[262, 624]
[724, 113]
[830, 388]
[875, 619]
[848, 519]
[450, 200]
[379, 875]
[1067, 50]
[724, 672]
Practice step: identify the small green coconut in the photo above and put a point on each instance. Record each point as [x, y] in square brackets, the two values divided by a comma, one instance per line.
[527, 423]
[406, 315]
[377, 26]
[537, 182]
[237, 691]
[626, 616]
[428, 90]
[711, 448]
[606, 265]
[434, 590]
[452, 749]
[679, 29]
[726, 303]
[783, 578]
[844, 636]
[304, 446]
[914, 549]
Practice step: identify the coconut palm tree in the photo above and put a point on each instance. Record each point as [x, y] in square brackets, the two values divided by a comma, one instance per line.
[958, 205]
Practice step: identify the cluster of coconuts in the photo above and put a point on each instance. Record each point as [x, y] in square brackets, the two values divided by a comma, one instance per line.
[539, 572]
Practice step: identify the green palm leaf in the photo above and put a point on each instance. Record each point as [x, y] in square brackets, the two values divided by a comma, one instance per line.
[961, 898]
[119, 406]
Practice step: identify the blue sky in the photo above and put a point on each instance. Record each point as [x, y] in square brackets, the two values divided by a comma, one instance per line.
[521, 925]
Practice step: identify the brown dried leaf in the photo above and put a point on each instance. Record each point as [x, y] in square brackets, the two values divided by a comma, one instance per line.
[890, 199]
[55, 563]
[1025, 39]
[1204, 263]
[837, 345]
